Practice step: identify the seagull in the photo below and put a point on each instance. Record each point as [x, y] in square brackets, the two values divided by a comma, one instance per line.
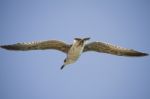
[74, 50]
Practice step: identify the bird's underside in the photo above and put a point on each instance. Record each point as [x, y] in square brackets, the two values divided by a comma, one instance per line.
[61, 46]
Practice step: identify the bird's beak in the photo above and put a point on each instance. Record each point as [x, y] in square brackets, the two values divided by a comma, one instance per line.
[62, 66]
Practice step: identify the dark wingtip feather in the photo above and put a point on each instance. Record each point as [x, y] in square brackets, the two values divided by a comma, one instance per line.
[5, 47]
[9, 47]
[144, 54]
[139, 54]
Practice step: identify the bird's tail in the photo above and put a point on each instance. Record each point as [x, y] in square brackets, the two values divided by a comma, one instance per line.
[85, 39]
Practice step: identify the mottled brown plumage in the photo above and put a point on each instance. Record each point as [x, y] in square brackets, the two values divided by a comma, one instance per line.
[61, 46]
[43, 45]
[74, 50]
[112, 49]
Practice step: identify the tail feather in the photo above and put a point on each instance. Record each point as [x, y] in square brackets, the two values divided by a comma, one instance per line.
[85, 39]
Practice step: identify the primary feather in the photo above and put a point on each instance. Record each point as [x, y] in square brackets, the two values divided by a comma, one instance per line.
[112, 49]
[50, 44]
[73, 51]
[61, 46]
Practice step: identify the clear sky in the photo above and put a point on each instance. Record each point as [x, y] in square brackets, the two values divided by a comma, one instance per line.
[37, 74]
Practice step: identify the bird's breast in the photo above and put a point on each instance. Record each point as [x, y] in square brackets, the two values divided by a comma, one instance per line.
[75, 52]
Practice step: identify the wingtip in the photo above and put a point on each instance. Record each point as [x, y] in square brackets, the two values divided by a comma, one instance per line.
[141, 54]
[12, 47]
[4, 47]
[8, 47]
[145, 54]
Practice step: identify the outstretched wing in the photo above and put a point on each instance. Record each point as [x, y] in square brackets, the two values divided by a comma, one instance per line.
[51, 44]
[112, 49]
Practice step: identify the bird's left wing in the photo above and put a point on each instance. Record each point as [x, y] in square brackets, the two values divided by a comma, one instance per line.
[50, 44]
[112, 49]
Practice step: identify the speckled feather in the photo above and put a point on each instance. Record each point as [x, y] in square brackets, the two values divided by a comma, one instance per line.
[61, 46]
[43, 45]
[112, 49]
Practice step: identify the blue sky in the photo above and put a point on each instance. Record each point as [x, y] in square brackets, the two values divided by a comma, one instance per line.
[37, 74]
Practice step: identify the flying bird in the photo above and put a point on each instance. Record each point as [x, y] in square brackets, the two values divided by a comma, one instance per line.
[74, 50]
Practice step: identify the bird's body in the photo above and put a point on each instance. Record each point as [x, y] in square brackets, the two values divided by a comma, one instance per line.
[74, 52]
[76, 49]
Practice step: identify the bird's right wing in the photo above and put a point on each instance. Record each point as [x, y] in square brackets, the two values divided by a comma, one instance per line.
[50, 44]
[112, 49]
